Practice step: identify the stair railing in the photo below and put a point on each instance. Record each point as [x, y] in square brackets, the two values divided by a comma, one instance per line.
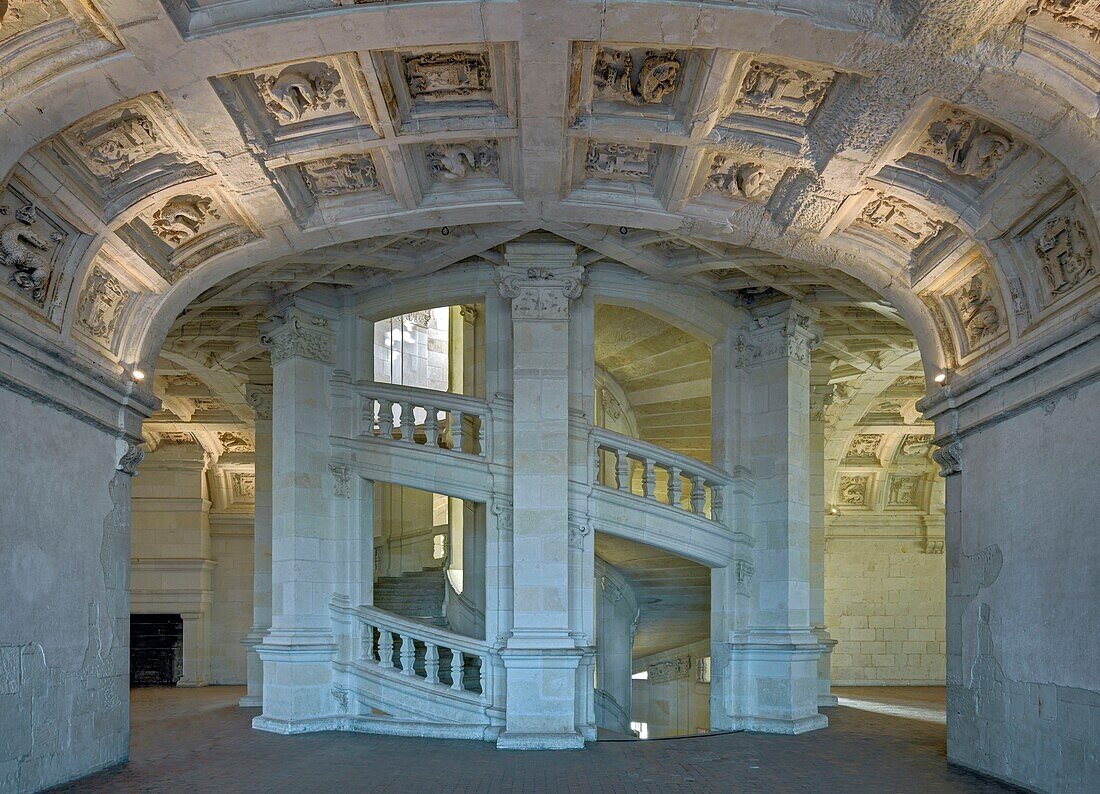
[406, 647]
[425, 417]
[634, 467]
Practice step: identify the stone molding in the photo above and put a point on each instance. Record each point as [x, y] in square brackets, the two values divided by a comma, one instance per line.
[298, 334]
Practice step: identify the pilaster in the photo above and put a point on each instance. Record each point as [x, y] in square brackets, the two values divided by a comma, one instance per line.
[821, 397]
[541, 655]
[258, 394]
[773, 661]
[298, 651]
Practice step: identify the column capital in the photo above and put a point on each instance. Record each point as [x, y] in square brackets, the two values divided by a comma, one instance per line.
[787, 329]
[299, 334]
[540, 279]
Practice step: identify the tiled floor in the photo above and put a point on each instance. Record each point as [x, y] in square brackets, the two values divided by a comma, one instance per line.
[198, 740]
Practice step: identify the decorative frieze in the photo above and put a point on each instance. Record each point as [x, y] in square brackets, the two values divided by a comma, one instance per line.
[455, 161]
[448, 76]
[782, 92]
[670, 670]
[27, 245]
[731, 177]
[965, 144]
[102, 302]
[183, 217]
[334, 176]
[643, 80]
[301, 90]
[301, 335]
[898, 219]
[854, 490]
[621, 161]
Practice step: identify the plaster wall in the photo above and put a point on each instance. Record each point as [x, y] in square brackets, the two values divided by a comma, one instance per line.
[885, 606]
[1023, 586]
[64, 581]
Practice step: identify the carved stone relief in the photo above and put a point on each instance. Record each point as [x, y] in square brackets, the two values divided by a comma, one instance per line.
[541, 293]
[965, 144]
[977, 309]
[853, 490]
[744, 570]
[739, 179]
[450, 76]
[617, 75]
[670, 670]
[113, 144]
[341, 475]
[865, 445]
[622, 161]
[177, 438]
[233, 441]
[207, 404]
[903, 491]
[301, 91]
[782, 92]
[101, 304]
[183, 217]
[915, 446]
[1065, 252]
[454, 161]
[26, 250]
[244, 485]
[899, 219]
[334, 176]
[17, 16]
[1083, 15]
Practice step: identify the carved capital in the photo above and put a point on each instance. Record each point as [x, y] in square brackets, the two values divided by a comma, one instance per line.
[949, 455]
[788, 331]
[541, 292]
[299, 334]
[258, 396]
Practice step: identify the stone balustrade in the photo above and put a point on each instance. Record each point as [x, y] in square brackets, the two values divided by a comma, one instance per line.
[449, 661]
[651, 472]
[425, 417]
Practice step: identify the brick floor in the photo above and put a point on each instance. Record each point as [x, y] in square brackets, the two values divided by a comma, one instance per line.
[198, 740]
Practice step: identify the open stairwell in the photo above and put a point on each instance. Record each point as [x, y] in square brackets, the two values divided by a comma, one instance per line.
[414, 594]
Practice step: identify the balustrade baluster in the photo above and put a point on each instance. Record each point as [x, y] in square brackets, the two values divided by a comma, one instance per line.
[481, 674]
[408, 421]
[431, 426]
[456, 431]
[649, 479]
[481, 435]
[368, 414]
[456, 669]
[385, 418]
[367, 643]
[674, 485]
[622, 470]
[717, 502]
[408, 655]
[431, 662]
[597, 464]
[698, 493]
[385, 648]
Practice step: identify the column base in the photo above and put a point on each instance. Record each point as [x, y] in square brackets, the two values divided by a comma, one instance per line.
[297, 676]
[774, 682]
[514, 740]
[251, 702]
[825, 697]
[772, 725]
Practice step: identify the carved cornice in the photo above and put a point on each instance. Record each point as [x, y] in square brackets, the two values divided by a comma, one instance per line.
[299, 334]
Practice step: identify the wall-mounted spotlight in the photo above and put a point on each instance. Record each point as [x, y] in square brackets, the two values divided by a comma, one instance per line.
[138, 375]
[941, 377]
[833, 511]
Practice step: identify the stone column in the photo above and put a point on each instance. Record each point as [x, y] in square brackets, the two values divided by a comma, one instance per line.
[773, 662]
[821, 396]
[298, 651]
[541, 655]
[258, 395]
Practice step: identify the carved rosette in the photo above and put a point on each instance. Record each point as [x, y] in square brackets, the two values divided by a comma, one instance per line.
[301, 335]
[541, 293]
[949, 455]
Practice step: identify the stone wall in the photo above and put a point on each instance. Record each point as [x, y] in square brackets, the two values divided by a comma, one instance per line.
[885, 607]
[672, 702]
[231, 612]
[64, 629]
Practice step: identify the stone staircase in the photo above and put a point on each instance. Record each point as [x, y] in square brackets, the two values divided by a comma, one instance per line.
[415, 594]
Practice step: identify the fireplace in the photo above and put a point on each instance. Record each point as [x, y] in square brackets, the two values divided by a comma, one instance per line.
[156, 650]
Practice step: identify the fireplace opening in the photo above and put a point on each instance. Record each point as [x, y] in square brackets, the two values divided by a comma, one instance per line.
[156, 650]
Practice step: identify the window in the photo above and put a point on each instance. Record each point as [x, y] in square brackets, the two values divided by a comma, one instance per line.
[641, 729]
[642, 676]
[439, 547]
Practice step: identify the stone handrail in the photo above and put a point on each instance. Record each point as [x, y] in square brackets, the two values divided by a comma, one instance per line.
[425, 417]
[411, 648]
[707, 487]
